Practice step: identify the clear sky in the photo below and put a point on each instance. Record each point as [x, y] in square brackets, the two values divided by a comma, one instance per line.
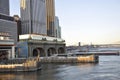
[86, 21]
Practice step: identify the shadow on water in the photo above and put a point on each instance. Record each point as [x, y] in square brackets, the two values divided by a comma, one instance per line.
[48, 72]
[19, 76]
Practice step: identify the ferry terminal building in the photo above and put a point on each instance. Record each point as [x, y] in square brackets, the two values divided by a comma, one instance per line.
[32, 45]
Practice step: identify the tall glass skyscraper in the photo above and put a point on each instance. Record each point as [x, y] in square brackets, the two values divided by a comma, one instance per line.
[50, 10]
[33, 17]
[57, 28]
[4, 7]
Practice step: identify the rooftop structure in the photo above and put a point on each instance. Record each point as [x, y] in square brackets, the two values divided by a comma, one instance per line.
[40, 38]
[6, 17]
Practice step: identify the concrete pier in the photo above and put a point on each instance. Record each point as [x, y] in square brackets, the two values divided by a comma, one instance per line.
[78, 59]
[20, 65]
[33, 64]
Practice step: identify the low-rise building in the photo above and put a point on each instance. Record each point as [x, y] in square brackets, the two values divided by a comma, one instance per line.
[7, 48]
[32, 45]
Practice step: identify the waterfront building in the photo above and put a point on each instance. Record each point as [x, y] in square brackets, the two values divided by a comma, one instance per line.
[6, 46]
[32, 45]
[33, 17]
[50, 11]
[57, 28]
[8, 25]
[4, 7]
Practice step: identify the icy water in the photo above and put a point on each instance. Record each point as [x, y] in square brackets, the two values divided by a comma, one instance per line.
[107, 69]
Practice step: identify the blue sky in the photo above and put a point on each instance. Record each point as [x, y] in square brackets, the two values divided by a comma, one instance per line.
[86, 21]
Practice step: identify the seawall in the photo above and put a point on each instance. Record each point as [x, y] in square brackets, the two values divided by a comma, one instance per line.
[78, 59]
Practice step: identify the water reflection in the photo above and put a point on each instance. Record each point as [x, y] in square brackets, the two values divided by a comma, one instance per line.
[18, 76]
[49, 72]
[6, 76]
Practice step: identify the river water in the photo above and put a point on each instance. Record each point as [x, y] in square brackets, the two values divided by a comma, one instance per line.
[108, 68]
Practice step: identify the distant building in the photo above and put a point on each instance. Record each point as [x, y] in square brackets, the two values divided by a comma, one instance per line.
[57, 28]
[4, 7]
[50, 10]
[8, 25]
[79, 44]
[33, 17]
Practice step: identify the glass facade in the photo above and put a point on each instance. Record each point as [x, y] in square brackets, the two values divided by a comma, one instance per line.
[10, 27]
[50, 10]
[4, 7]
[33, 17]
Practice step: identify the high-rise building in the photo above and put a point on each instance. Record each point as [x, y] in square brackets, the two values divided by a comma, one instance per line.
[18, 21]
[4, 7]
[59, 32]
[57, 28]
[50, 11]
[33, 17]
